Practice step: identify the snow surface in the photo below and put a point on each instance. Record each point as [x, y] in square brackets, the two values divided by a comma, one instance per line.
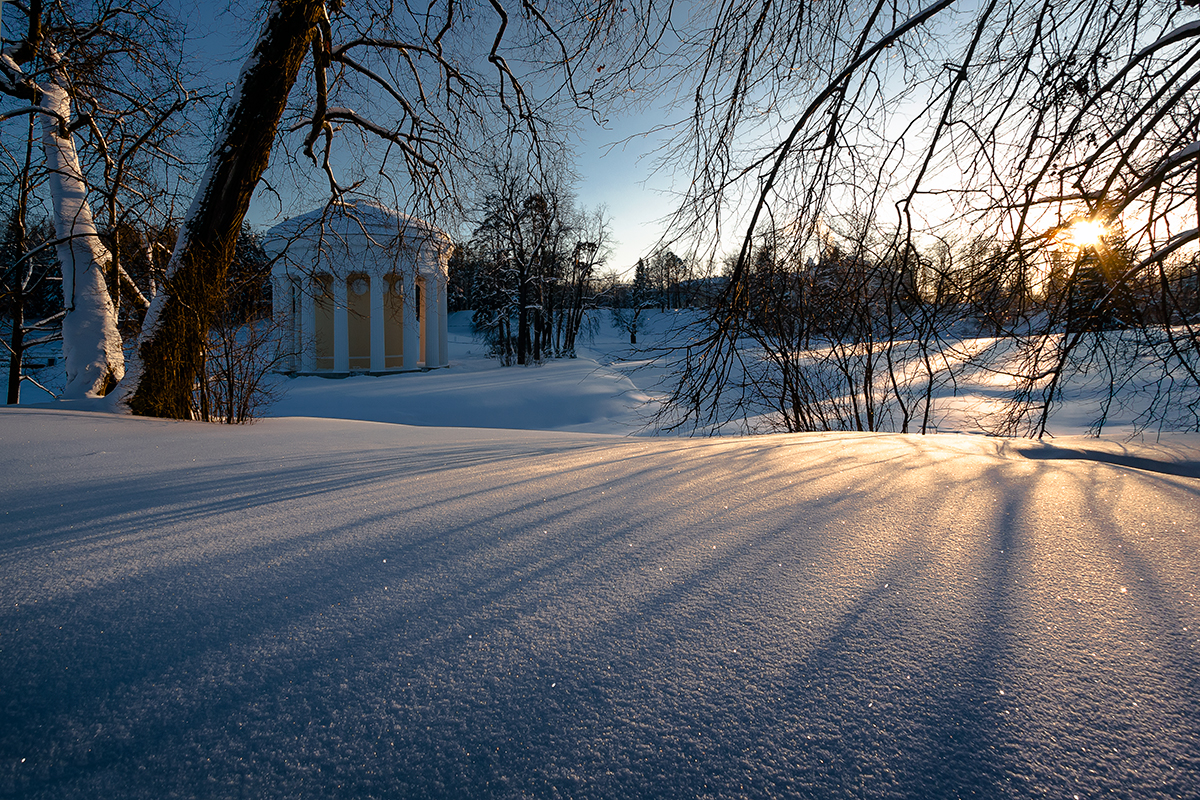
[332, 607]
[564, 395]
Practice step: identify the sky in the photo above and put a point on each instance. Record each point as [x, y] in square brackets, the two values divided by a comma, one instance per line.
[614, 159]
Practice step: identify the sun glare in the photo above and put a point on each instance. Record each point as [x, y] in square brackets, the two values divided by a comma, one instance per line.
[1086, 233]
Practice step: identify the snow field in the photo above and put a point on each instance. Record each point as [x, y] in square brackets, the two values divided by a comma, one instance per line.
[330, 608]
[614, 388]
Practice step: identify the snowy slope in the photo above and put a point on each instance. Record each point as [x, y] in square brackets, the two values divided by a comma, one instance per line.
[331, 608]
[614, 388]
[590, 394]
[565, 395]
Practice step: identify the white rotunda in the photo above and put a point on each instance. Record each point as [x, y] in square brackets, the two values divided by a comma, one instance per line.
[358, 287]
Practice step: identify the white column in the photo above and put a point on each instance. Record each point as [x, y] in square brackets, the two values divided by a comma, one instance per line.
[341, 339]
[281, 305]
[306, 329]
[378, 285]
[433, 357]
[284, 319]
[412, 334]
[295, 339]
[443, 324]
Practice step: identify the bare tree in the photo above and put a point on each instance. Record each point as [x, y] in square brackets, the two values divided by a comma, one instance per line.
[443, 80]
[26, 262]
[589, 251]
[518, 226]
[105, 75]
[930, 122]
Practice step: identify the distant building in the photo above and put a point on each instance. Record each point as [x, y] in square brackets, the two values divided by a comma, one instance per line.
[359, 288]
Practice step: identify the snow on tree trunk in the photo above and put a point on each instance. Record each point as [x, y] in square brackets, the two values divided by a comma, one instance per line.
[91, 343]
[170, 357]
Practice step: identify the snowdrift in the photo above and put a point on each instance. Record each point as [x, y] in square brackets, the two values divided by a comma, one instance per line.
[332, 608]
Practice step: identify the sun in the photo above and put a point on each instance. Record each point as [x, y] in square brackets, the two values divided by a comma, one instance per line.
[1086, 233]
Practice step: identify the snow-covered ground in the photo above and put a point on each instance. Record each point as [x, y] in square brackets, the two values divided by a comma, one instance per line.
[613, 388]
[586, 394]
[592, 393]
[436, 585]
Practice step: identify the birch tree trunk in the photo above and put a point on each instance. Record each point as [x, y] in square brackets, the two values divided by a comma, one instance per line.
[171, 349]
[91, 343]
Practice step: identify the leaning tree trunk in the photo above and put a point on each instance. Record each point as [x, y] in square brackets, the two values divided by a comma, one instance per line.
[91, 342]
[174, 336]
